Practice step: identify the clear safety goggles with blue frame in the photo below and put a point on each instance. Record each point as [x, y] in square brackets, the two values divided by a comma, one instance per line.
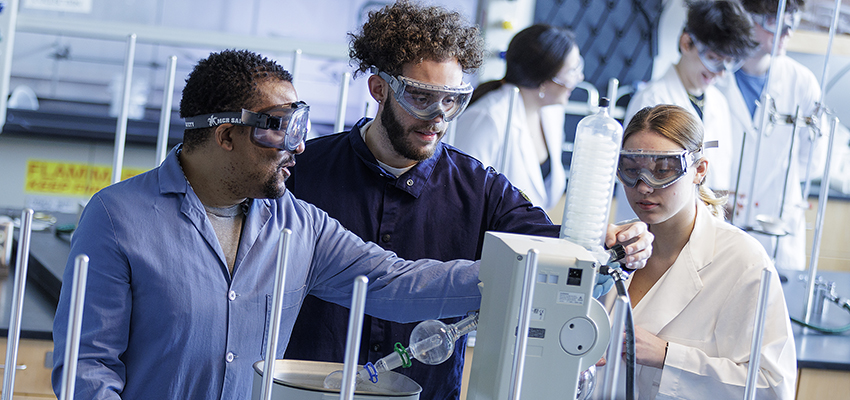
[768, 22]
[427, 101]
[283, 127]
[658, 169]
[714, 61]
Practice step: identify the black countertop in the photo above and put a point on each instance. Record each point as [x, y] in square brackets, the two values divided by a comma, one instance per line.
[815, 349]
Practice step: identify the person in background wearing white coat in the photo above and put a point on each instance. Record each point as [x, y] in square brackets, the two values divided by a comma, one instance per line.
[717, 38]
[792, 85]
[695, 300]
[544, 63]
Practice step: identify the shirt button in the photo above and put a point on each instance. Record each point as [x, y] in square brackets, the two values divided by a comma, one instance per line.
[410, 182]
[230, 357]
[376, 347]
[385, 238]
[231, 295]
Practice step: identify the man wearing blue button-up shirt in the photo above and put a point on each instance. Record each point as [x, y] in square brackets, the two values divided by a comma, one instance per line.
[391, 180]
[183, 256]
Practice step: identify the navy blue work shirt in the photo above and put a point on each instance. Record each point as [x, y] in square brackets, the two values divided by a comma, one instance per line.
[439, 209]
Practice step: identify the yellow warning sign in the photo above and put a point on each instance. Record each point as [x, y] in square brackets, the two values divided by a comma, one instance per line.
[70, 178]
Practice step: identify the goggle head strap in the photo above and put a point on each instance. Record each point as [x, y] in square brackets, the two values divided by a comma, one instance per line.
[246, 118]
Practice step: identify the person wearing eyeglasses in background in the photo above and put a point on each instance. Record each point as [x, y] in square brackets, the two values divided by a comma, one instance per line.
[183, 257]
[392, 180]
[695, 301]
[792, 85]
[718, 36]
[545, 64]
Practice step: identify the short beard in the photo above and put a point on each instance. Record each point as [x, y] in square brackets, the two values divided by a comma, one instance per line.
[271, 188]
[398, 136]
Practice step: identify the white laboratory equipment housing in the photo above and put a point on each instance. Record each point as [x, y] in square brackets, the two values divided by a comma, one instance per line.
[568, 331]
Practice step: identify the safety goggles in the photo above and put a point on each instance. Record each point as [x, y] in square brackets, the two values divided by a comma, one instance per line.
[713, 61]
[768, 22]
[658, 169]
[282, 127]
[427, 101]
[574, 75]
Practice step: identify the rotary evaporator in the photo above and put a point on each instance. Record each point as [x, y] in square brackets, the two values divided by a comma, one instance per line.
[567, 329]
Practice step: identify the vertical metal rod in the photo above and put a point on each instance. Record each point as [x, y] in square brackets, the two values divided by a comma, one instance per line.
[14, 333]
[738, 180]
[367, 109]
[342, 103]
[615, 348]
[794, 127]
[451, 130]
[75, 325]
[613, 87]
[758, 335]
[765, 108]
[121, 128]
[813, 137]
[274, 322]
[821, 107]
[823, 196]
[296, 64]
[836, 11]
[165, 111]
[518, 364]
[352, 342]
[9, 29]
[507, 140]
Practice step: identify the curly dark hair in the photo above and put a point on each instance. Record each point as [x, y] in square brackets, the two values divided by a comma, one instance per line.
[768, 7]
[223, 82]
[724, 26]
[405, 32]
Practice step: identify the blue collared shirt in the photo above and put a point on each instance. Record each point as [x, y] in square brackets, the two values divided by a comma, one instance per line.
[438, 209]
[165, 319]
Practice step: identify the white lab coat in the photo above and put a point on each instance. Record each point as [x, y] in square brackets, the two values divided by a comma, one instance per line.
[481, 133]
[704, 306]
[792, 84]
[669, 90]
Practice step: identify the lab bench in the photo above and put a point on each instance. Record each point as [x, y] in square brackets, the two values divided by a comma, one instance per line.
[823, 360]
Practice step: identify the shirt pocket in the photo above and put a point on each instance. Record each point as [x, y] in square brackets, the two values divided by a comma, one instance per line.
[291, 302]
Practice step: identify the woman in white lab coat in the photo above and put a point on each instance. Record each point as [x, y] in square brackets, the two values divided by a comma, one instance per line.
[545, 64]
[694, 302]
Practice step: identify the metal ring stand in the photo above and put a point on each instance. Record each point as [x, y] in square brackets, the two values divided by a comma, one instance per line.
[14, 332]
[75, 325]
[274, 321]
[352, 342]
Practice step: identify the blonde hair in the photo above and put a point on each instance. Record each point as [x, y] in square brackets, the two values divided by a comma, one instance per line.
[678, 125]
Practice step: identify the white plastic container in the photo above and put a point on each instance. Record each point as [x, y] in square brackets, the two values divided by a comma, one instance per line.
[302, 380]
[591, 182]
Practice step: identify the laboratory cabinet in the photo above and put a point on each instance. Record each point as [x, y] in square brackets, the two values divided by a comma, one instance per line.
[33, 381]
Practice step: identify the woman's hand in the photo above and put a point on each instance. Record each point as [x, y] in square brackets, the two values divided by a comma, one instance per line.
[650, 350]
[636, 240]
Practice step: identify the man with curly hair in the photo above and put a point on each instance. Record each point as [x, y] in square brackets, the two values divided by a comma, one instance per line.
[183, 257]
[392, 180]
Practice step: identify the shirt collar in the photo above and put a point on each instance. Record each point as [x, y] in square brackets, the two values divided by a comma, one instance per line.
[171, 177]
[412, 181]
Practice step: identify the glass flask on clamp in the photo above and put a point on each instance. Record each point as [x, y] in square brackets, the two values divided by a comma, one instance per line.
[432, 343]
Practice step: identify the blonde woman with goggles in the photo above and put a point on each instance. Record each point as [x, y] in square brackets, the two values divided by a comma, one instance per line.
[694, 302]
